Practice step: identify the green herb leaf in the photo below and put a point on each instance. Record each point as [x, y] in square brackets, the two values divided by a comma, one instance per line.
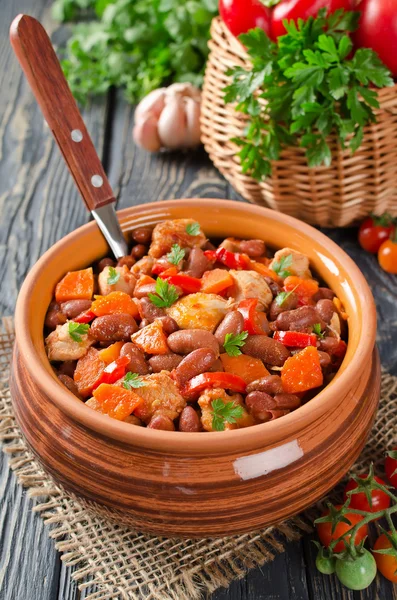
[166, 294]
[280, 266]
[317, 330]
[224, 413]
[133, 380]
[233, 343]
[114, 276]
[193, 228]
[76, 330]
[176, 255]
[282, 297]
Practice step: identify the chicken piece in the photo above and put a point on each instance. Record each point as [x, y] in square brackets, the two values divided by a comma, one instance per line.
[207, 413]
[143, 266]
[334, 325]
[231, 244]
[160, 397]
[126, 282]
[61, 346]
[250, 284]
[199, 311]
[167, 233]
[297, 265]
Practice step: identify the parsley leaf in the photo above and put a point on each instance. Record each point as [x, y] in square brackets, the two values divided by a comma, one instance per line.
[114, 276]
[317, 330]
[233, 343]
[76, 330]
[280, 266]
[224, 413]
[133, 380]
[176, 255]
[282, 297]
[193, 228]
[166, 294]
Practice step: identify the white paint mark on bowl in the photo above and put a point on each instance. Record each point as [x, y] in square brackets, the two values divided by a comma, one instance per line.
[263, 463]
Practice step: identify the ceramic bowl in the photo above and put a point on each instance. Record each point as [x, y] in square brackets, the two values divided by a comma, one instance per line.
[198, 484]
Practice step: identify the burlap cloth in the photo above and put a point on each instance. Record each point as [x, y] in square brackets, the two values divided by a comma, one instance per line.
[121, 563]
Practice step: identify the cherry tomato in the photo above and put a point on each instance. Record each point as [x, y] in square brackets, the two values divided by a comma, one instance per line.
[325, 565]
[242, 15]
[387, 563]
[387, 255]
[302, 9]
[391, 469]
[324, 531]
[356, 574]
[378, 30]
[380, 500]
[374, 231]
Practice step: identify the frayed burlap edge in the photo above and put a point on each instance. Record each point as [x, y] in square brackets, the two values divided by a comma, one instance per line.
[124, 564]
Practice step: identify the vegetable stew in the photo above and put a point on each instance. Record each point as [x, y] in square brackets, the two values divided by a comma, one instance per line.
[190, 336]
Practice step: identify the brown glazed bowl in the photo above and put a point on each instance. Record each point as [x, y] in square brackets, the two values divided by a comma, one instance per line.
[198, 484]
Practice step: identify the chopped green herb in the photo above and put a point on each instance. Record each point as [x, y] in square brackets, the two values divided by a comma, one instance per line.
[282, 296]
[166, 294]
[114, 276]
[317, 330]
[133, 380]
[224, 413]
[193, 228]
[233, 343]
[76, 330]
[281, 266]
[176, 255]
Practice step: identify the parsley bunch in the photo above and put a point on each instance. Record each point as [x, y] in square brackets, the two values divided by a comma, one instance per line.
[134, 44]
[304, 88]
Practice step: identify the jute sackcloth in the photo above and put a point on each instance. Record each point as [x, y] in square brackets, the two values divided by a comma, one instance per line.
[121, 563]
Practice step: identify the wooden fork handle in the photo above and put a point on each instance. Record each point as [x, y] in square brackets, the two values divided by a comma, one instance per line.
[40, 64]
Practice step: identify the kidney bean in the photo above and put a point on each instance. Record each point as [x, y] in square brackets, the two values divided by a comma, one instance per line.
[209, 246]
[254, 248]
[106, 262]
[145, 290]
[169, 324]
[67, 367]
[233, 323]
[189, 420]
[161, 422]
[142, 235]
[187, 340]
[273, 285]
[138, 251]
[72, 308]
[299, 319]
[217, 367]
[259, 404]
[197, 263]
[70, 384]
[165, 362]
[267, 349]
[323, 293]
[325, 359]
[289, 303]
[113, 328]
[137, 362]
[128, 261]
[198, 361]
[287, 401]
[325, 308]
[54, 316]
[329, 344]
[271, 384]
[150, 311]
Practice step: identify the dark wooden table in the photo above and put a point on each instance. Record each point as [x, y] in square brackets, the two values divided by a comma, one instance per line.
[39, 205]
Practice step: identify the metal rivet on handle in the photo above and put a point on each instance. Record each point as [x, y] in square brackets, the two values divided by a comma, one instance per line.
[96, 181]
[76, 135]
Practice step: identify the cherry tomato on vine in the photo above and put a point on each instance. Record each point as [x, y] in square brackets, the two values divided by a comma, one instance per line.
[387, 563]
[302, 9]
[391, 468]
[374, 231]
[324, 531]
[387, 255]
[380, 500]
[242, 15]
[358, 573]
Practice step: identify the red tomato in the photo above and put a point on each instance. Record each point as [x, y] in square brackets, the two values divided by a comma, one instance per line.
[380, 500]
[374, 231]
[387, 255]
[302, 9]
[386, 563]
[391, 469]
[324, 531]
[242, 15]
[378, 30]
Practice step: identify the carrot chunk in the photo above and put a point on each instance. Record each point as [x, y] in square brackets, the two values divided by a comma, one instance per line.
[151, 339]
[115, 303]
[76, 285]
[88, 370]
[115, 401]
[214, 282]
[247, 367]
[266, 271]
[111, 353]
[303, 288]
[302, 371]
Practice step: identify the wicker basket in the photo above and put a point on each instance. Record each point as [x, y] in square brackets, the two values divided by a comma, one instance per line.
[339, 195]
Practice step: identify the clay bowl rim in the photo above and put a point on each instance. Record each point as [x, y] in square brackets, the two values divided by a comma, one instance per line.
[204, 442]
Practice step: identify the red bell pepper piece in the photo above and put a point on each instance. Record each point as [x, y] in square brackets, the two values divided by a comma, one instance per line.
[85, 317]
[233, 260]
[113, 372]
[210, 254]
[295, 339]
[188, 284]
[227, 381]
[251, 316]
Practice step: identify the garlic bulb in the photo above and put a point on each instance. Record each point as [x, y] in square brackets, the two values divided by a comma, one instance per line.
[169, 118]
